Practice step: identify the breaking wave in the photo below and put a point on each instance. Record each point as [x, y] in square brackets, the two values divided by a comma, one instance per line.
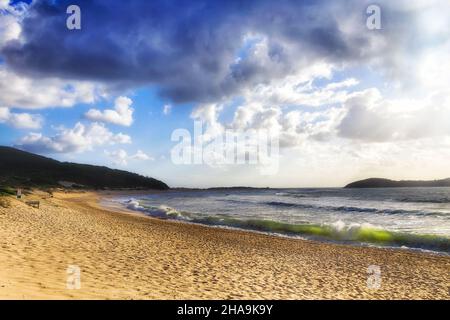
[162, 211]
[338, 231]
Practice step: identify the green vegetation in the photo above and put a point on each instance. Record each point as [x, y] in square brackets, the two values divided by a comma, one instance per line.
[23, 169]
[5, 191]
[386, 183]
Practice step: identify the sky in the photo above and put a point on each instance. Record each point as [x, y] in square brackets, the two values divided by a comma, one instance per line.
[344, 98]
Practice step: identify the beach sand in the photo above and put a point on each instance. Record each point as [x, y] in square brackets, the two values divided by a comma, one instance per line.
[129, 256]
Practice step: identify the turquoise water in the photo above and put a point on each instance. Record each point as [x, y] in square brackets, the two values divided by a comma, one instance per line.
[416, 218]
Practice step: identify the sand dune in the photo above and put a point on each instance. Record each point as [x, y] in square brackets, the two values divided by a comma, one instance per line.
[127, 256]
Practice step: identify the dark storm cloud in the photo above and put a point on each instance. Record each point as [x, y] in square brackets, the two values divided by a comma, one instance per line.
[188, 49]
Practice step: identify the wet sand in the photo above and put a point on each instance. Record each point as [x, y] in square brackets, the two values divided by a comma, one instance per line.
[123, 255]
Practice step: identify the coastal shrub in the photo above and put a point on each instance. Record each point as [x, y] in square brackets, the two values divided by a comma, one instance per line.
[5, 202]
[7, 190]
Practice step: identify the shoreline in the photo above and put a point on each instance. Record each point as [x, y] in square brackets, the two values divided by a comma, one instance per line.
[117, 207]
[128, 255]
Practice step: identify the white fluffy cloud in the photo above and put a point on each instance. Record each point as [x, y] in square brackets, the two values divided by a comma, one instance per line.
[299, 89]
[25, 93]
[122, 114]
[371, 117]
[140, 155]
[20, 120]
[121, 157]
[10, 16]
[4, 4]
[276, 107]
[78, 139]
[9, 29]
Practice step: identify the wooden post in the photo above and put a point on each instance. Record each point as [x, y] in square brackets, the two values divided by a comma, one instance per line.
[19, 193]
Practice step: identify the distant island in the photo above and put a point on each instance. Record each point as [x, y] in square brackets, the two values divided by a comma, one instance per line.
[386, 183]
[23, 169]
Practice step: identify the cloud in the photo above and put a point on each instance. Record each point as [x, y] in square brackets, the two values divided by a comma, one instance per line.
[28, 93]
[10, 22]
[121, 157]
[301, 90]
[9, 28]
[140, 155]
[21, 91]
[121, 115]
[372, 118]
[295, 108]
[208, 116]
[206, 51]
[76, 140]
[20, 120]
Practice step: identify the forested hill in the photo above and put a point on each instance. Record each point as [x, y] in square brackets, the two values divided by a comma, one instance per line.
[386, 183]
[20, 168]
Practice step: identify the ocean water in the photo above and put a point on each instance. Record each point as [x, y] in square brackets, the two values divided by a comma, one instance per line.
[414, 218]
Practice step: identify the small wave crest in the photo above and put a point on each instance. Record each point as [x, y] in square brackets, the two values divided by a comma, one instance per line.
[164, 212]
[291, 194]
[350, 208]
[421, 200]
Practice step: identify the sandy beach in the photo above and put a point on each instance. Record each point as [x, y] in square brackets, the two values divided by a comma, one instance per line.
[123, 255]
